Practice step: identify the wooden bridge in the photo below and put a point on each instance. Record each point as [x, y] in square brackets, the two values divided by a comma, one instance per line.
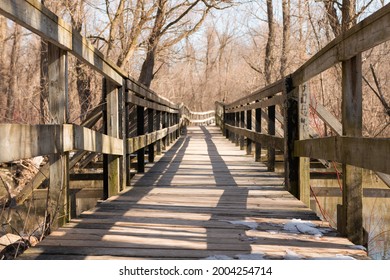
[198, 195]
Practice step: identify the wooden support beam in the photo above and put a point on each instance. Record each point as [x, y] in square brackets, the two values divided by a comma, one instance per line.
[58, 205]
[258, 130]
[237, 124]
[291, 134]
[265, 139]
[271, 131]
[352, 115]
[249, 127]
[303, 133]
[140, 131]
[368, 153]
[151, 130]
[112, 170]
[242, 125]
[158, 127]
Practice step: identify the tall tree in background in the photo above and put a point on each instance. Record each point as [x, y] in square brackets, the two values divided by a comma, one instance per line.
[174, 19]
[286, 37]
[13, 76]
[269, 49]
[83, 79]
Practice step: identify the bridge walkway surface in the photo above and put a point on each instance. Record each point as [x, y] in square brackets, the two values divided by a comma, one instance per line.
[202, 198]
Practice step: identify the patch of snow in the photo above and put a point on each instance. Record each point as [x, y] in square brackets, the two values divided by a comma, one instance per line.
[248, 223]
[337, 257]
[218, 257]
[299, 226]
[358, 247]
[291, 255]
[258, 256]
[272, 231]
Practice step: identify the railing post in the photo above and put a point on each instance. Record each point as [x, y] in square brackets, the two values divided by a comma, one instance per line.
[126, 134]
[350, 214]
[271, 131]
[303, 133]
[237, 124]
[165, 125]
[150, 130]
[258, 129]
[158, 127]
[249, 127]
[112, 163]
[141, 131]
[58, 204]
[291, 163]
[242, 125]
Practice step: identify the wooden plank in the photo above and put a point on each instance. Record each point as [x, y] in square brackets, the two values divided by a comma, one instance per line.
[264, 139]
[113, 170]
[303, 133]
[271, 132]
[249, 127]
[131, 98]
[276, 100]
[92, 141]
[258, 130]
[58, 202]
[291, 132]
[140, 132]
[368, 153]
[327, 118]
[141, 90]
[19, 141]
[258, 94]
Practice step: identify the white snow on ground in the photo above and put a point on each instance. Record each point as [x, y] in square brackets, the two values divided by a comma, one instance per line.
[299, 226]
[272, 232]
[358, 247]
[250, 224]
[291, 255]
[337, 257]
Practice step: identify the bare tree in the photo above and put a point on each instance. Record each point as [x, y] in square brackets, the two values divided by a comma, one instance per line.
[286, 37]
[13, 70]
[269, 49]
[173, 19]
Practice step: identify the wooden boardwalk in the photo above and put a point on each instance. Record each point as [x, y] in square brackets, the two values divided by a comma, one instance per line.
[203, 198]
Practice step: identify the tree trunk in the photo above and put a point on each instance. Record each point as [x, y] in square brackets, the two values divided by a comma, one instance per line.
[146, 75]
[83, 79]
[13, 75]
[3, 34]
[269, 53]
[286, 37]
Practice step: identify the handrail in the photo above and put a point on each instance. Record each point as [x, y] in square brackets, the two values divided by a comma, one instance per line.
[157, 119]
[292, 95]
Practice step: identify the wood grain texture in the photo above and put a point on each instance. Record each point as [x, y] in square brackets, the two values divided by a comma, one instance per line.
[187, 206]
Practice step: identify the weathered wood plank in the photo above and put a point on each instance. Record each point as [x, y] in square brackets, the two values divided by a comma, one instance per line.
[264, 139]
[131, 98]
[259, 94]
[92, 141]
[276, 100]
[368, 153]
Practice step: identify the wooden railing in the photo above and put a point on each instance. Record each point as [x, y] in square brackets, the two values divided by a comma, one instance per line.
[156, 126]
[197, 118]
[298, 141]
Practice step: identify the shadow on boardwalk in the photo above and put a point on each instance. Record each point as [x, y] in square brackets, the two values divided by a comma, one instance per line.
[198, 200]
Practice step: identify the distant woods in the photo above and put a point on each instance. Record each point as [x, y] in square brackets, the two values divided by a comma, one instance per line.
[195, 51]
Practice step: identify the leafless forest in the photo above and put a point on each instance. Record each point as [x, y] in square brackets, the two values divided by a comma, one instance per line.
[191, 51]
